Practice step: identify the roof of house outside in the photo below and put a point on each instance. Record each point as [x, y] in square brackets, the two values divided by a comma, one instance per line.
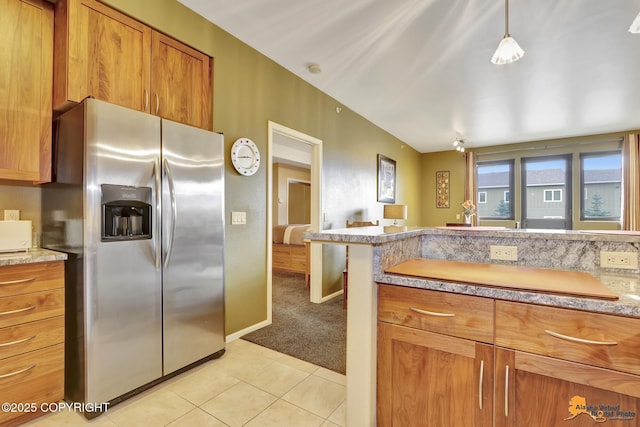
[547, 177]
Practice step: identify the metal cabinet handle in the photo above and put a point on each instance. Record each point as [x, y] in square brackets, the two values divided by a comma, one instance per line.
[11, 374]
[506, 391]
[579, 340]
[20, 310]
[431, 313]
[15, 282]
[146, 99]
[157, 103]
[481, 381]
[20, 341]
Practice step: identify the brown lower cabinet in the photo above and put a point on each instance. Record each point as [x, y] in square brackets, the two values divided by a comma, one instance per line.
[584, 372]
[430, 379]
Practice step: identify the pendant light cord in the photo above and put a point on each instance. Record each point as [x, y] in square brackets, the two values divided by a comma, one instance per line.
[506, 18]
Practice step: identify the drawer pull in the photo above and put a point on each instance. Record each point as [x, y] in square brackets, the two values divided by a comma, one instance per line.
[5, 344]
[481, 380]
[15, 282]
[11, 374]
[579, 340]
[506, 391]
[20, 310]
[431, 313]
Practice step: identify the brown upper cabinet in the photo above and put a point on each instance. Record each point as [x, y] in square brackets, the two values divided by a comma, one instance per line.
[26, 31]
[102, 53]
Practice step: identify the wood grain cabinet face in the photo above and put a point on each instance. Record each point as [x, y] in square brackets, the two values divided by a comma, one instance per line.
[540, 380]
[433, 378]
[31, 336]
[26, 74]
[103, 53]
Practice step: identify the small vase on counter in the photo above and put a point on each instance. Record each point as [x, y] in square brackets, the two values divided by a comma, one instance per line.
[467, 219]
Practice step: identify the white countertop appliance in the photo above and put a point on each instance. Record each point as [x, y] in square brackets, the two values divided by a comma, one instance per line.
[15, 236]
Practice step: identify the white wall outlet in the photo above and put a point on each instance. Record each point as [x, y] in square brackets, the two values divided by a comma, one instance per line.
[625, 260]
[238, 218]
[12, 215]
[503, 253]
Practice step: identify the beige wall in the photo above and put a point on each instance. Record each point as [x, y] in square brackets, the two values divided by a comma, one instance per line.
[282, 173]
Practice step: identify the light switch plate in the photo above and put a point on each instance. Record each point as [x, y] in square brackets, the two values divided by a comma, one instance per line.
[238, 218]
[12, 215]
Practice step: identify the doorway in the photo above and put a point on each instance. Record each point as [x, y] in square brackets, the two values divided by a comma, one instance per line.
[291, 145]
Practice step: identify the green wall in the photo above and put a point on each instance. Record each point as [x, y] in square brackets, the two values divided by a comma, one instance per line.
[249, 90]
[454, 162]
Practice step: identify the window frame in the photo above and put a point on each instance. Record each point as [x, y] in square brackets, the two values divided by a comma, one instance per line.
[583, 189]
[484, 193]
[511, 164]
[553, 192]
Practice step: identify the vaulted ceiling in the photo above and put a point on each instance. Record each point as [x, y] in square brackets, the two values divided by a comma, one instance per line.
[421, 70]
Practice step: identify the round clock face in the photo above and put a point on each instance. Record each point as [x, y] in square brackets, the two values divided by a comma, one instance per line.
[245, 156]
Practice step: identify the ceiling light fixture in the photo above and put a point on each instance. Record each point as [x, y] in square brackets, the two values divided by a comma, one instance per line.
[635, 25]
[459, 144]
[508, 50]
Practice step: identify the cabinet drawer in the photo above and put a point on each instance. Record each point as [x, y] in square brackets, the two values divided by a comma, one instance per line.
[31, 336]
[31, 307]
[462, 316]
[27, 278]
[34, 377]
[595, 339]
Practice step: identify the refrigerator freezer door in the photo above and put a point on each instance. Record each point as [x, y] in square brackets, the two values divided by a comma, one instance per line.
[122, 286]
[193, 244]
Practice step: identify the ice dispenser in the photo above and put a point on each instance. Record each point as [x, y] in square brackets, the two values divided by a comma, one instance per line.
[126, 213]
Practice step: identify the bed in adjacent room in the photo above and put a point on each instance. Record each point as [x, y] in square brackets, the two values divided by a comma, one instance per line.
[290, 250]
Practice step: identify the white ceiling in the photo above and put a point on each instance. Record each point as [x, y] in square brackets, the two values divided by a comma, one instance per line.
[421, 69]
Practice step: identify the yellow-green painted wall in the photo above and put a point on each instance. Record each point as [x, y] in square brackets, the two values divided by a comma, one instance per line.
[451, 161]
[455, 162]
[249, 90]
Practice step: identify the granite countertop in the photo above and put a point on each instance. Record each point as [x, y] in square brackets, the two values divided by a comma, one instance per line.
[625, 285]
[31, 256]
[384, 234]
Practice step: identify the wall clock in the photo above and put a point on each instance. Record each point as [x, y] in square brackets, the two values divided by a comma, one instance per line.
[245, 156]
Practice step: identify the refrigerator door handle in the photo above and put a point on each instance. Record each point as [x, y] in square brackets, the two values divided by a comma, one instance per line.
[174, 212]
[158, 224]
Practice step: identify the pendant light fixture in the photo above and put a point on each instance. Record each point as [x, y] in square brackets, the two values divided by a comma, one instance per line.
[635, 25]
[459, 144]
[508, 50]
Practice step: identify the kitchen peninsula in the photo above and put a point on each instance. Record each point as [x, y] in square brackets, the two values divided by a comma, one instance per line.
[506, 327]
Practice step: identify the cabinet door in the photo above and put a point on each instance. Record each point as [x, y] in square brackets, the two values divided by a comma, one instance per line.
[180, 83]
[26, 31]
[101, 53]
[429, 379]
[539, 391]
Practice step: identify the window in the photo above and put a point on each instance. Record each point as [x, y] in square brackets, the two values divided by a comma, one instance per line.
[495, 184]
[600, 182]
[553, 195]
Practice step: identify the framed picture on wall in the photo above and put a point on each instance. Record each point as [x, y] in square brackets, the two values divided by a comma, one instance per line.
[442, 189]
[386, 179]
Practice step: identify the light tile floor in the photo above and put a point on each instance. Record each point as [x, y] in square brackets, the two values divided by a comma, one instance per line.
[249, 385]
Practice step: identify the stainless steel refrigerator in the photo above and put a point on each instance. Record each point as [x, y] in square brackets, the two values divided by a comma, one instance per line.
[137, 203]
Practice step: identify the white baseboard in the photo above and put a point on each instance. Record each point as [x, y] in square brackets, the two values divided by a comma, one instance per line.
[236, 335]
[332, 296]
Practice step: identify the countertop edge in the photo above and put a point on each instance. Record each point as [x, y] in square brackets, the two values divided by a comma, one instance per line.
[31, 256]
[617, 307]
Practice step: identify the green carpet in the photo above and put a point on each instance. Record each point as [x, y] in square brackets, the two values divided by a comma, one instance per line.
[312, 332]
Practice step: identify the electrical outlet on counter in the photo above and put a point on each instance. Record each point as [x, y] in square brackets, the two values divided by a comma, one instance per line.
[12, 215]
